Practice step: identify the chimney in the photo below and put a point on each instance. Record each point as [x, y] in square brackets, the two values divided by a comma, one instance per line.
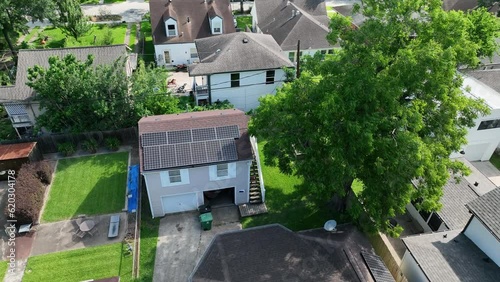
[188, 20]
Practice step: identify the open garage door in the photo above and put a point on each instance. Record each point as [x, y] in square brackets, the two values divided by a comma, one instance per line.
[179, 203]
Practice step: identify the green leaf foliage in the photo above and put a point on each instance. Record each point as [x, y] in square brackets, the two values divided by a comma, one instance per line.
[75, 96]
[70, 18]
[385, 109]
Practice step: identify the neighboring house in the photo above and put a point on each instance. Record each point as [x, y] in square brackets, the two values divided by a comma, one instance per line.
[470, 254]
[275, 253]
[238, 67]
[176, 24]
[459, 5]
[20, 100]
[290, 21]
[484, 137]
[456, 194]
[191, 159]
[346, 9]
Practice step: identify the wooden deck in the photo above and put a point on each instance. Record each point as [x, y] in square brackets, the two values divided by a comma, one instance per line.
[252, 209]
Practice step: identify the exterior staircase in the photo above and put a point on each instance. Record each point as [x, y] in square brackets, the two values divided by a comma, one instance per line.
[255, 192]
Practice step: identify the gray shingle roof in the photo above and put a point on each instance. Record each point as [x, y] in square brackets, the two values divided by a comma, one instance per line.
[229, 52]
[29, 58]
[279, 19]
[198, 12]
[451, 258]
[459, 5]
[274, 253]
[488, 77]
[455, 196]
[487, 209]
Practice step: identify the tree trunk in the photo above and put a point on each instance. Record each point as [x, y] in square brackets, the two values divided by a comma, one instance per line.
[9, 42]
[241, 7]
[340, 202]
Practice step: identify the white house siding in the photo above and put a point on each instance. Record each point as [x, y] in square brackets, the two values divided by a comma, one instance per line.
[179, 53]
[416, 215]
[309, 52]
[411, 269]
[199, 181]
[478, 233]
[252, 87]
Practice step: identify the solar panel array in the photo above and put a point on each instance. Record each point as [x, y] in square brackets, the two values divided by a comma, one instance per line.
[189, 147]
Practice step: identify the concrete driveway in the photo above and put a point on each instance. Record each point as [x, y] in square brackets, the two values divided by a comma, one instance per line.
[181, 242]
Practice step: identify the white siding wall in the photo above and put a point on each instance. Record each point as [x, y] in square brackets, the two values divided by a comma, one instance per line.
[481, 143]
[414, 213]
[478, 233]
[179, 53]
[253, 13]
[171, 21]
[411, 269]
[216, 22]
[252, 86]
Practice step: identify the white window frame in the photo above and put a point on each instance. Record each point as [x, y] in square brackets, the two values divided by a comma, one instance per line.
[216, 23]
[231, 172]
[193, 53]
[222, 170]
[169, 31]
[166, 178]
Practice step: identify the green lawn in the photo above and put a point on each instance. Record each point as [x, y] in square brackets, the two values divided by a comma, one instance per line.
[34, 31]
[89, 2]
[287, 205]
[87, 185]
[78, 265]
[3, 269]
[57, 39]
[243, 21]
[149, 48]
[113, 1]
[133, 35]
[495, 160]
[149, 239]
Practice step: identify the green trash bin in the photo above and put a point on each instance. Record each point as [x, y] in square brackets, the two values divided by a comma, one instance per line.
[206, 221]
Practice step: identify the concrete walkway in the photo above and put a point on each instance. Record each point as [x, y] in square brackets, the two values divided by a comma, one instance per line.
[181, 242]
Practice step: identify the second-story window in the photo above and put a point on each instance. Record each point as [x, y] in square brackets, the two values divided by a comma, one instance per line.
[235, 80]
[222, 170]
[175, 176]
[171, 30]
[291, 56]
[270, 77]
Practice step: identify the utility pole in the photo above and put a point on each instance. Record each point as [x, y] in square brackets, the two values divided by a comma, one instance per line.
[298, 59]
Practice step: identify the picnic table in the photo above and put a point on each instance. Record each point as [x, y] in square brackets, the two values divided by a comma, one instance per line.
[87, 225]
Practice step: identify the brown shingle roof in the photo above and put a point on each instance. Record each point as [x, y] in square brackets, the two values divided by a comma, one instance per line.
[203, 119]
[16, 151]
[198, 13]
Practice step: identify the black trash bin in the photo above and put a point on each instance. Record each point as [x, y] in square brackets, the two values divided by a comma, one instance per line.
[204, 209]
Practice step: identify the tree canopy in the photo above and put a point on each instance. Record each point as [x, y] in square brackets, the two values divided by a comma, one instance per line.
[70, 18]
[386, 108]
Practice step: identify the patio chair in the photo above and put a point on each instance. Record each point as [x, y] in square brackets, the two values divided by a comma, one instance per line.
[80, 234]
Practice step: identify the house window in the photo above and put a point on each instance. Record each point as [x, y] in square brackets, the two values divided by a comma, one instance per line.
[270, 77]
[216, 26]
[489, 124]
[330, 51]
[222, 170]
[291, 56]
[235, 80]
[175, 176]
[194, 53]
[300, 54]
[171, 30]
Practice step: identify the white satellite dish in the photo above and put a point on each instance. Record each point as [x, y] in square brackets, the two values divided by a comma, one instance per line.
[330, 225]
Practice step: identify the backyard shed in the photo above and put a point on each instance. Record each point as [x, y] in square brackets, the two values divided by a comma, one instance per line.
[12, 156]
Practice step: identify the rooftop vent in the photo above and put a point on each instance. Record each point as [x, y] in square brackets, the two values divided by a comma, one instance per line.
[217, 51]
[476, 183]
[245, 40]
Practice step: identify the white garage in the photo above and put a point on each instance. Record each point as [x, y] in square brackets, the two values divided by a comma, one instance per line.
[179, 203]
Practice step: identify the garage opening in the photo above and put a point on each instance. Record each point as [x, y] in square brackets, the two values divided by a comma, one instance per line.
[218, 198]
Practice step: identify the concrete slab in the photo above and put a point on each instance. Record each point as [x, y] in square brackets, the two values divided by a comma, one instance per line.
[58, 236]
[181, 242]
[489, 170]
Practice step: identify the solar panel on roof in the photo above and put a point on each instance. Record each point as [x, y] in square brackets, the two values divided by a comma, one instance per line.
[214, 153]
[152, 157]
[228, 147]
[204, 134]
[183, 154]
[199, 152]
[153, 138]
[167, 156]
[229, 131]
[180, 136]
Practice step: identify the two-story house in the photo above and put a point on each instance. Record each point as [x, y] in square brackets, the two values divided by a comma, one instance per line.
[293, 20]
[238, 67]
[176, 24]
[467, 254]
[190, 159]
[19, 99]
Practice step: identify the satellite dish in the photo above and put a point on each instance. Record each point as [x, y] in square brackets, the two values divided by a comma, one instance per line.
[330, 225]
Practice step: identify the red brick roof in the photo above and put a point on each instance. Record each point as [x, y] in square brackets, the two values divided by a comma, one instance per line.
[16, 151]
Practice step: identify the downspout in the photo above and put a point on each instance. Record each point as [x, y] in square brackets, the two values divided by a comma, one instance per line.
[209, 88]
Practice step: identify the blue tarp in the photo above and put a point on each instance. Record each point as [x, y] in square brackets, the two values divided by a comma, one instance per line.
[133, 187]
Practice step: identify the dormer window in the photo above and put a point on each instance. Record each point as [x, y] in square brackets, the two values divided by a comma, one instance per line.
[216, 25]
[171, 27]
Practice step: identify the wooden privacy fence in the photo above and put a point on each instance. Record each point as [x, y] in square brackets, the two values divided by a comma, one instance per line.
[47, 144]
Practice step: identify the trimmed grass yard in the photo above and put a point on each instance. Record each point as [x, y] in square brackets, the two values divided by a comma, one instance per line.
[287, 205]
[149, 239]
[78, 265]
[149, 49]
[87, 185]
[3, 269]
[495, 160]
[243, 21]
[57, 39]
[133, 35]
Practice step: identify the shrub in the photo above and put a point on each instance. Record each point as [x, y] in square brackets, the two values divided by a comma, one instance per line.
[90, 145]
[29, 193]
[107, 38]
[112, 143]
[44, 172]
[67, 148]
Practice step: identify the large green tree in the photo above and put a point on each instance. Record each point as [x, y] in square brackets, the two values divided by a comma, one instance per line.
[386, 109]
[75, 96]
[14, 15]
[70, 18]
